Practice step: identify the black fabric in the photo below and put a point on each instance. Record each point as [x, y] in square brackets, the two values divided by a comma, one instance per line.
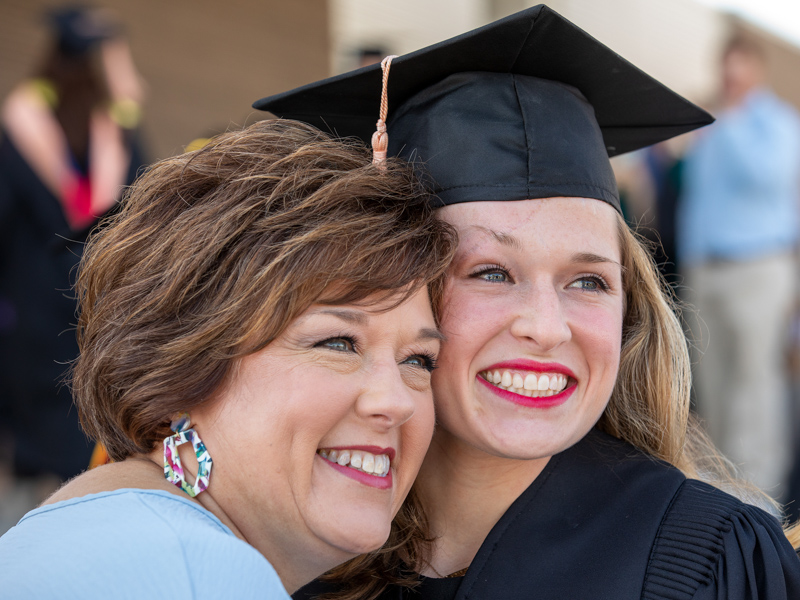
[713, 547]
[513, 137]
[604, 521]
[79, 29]
[473, 135]
[435, 589]
[38, 258]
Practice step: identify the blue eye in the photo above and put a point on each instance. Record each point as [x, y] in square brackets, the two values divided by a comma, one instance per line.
[592, 283]
[424, 361]
[493, 274]
[339, 344]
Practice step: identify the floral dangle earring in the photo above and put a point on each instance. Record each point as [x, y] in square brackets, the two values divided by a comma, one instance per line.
[173, 468]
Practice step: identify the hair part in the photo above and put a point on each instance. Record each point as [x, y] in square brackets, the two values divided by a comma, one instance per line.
[216, 251]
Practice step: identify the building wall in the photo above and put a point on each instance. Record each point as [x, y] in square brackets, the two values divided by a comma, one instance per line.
[398, 26]
[676, 41]
[204, 61]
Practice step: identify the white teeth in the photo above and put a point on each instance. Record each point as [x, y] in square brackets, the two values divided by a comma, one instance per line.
[357, 459]
[530, 382]
[368, 463]
[531, 385]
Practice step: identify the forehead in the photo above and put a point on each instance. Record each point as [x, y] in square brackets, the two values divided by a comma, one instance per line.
[550, 224]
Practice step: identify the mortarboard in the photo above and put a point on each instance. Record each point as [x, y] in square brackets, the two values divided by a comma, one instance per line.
[529, 106]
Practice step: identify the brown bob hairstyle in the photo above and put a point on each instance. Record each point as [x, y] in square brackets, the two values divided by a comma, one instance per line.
[215, 252]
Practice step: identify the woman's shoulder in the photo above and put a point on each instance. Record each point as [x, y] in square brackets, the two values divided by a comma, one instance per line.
[149, 542]
[712, 545]
[613, 468]
[625, 520]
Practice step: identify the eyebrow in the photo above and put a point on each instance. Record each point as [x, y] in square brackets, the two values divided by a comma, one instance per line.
[506, 239]
[590, 257]
[350, 316]
[427, 333]
[359, 318]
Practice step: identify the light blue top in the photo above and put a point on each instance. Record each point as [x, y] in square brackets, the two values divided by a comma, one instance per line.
[742, 184]
[130, 543]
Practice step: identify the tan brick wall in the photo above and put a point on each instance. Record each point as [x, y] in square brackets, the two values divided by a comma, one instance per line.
[205, 61]
[398, 26]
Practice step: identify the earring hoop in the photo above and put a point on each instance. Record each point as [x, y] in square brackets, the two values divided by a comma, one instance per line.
[173, 468]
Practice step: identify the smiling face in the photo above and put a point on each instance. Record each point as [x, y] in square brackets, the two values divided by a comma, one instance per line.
[318, 437]
[533, 319]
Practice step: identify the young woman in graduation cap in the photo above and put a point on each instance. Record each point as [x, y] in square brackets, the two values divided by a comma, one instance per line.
[561, 466]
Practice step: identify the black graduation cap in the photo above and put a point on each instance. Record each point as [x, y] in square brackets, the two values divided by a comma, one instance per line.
[529, 106]
[79, 29]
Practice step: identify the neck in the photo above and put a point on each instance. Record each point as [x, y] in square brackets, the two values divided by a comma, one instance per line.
[465, 491]
[295, 563]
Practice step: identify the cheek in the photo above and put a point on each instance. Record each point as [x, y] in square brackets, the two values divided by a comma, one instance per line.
[469, 322]
[297, 410]
[417, 434]
[601, 339]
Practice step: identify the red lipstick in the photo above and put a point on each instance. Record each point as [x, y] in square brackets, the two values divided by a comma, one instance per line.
[531, 365]
[371, 449]
[533, 402]
[381, 483]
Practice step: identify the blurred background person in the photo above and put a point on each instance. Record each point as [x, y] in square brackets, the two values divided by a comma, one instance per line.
[69, 145]
[370, 56]
[737, 230]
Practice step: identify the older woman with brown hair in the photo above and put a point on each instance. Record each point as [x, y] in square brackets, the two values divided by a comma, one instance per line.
[262, 305]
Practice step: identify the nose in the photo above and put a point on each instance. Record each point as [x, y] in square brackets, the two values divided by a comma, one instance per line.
[385, 400]
[540, 318]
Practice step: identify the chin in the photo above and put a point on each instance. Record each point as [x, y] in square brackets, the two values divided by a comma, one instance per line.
[520, 443]
[356, 531]
[359, 534]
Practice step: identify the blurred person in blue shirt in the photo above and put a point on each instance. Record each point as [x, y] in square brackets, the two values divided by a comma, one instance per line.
[737, 229]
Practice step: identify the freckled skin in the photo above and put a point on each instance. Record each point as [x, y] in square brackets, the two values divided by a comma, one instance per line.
[533, 301]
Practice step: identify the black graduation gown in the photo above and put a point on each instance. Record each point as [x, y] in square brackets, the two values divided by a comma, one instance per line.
[39, 254]
[605, 521]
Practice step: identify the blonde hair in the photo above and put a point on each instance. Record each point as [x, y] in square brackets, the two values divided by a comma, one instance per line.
[649, 407]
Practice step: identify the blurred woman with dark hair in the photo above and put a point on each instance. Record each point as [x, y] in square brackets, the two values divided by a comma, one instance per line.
[68, 148]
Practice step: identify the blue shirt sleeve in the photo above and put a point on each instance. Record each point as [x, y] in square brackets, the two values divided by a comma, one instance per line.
[131, 544]
[742, 184]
